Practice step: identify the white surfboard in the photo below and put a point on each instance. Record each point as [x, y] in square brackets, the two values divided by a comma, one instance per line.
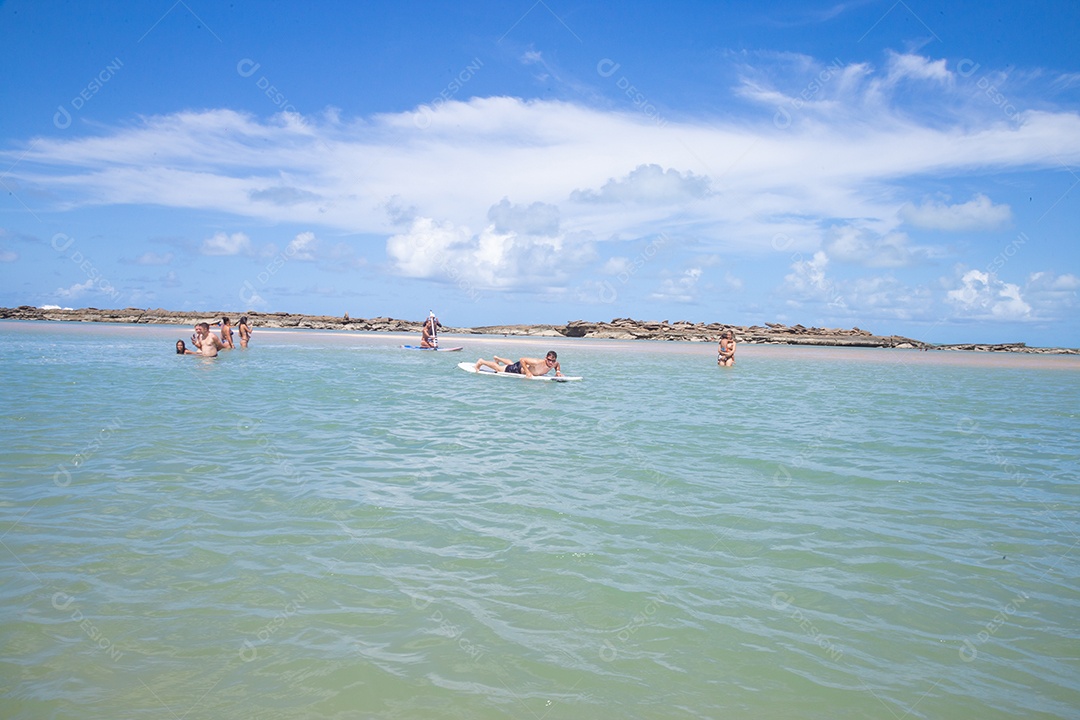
[442, 349]
[471, 367]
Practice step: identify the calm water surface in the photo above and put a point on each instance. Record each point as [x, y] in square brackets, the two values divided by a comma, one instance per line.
[327, 526]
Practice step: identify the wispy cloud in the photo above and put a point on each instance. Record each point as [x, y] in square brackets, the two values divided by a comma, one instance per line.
[302, 247]
[863, 246]
[979, 213]
[75, 291]
[153, 258]
[683, 288]
[647, 184]
[540, 183]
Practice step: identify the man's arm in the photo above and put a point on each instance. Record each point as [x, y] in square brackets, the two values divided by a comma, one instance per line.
[526, 365]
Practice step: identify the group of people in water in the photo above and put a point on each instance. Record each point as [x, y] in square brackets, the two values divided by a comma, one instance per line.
[208, 344]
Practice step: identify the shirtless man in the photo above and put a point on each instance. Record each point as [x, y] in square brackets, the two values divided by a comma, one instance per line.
[725, 350]
[207, 342]
[529, 367]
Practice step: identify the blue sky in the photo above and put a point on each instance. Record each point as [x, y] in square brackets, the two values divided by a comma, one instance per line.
[899, 166]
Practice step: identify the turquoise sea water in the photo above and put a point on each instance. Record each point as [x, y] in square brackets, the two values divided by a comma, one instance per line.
[327, 526]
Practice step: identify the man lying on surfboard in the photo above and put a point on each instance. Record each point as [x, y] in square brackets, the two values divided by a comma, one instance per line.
[529, 367]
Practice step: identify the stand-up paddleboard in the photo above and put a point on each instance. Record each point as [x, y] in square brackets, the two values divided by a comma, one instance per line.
[471, 368]
[417, 347]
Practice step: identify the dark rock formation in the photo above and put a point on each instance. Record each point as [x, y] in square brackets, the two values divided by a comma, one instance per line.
[617, 329]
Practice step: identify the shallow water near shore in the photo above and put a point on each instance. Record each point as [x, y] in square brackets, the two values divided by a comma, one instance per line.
[325, 525]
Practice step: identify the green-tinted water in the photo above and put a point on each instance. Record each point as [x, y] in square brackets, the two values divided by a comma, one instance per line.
[325, 525]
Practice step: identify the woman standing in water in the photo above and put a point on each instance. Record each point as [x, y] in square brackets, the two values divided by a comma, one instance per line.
[244, 330]
[725, 350]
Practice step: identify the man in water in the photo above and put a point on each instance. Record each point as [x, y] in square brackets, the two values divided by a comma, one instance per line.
[207, 342]
[529, 367]
[725, 351]
[428, 337]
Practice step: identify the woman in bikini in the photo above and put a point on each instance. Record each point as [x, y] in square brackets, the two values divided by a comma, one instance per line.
[226, 333]
[245, 331]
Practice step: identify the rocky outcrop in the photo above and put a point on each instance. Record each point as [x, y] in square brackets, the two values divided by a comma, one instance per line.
[771, 333]
[182, 317]
[617, 329]
[1010, 347]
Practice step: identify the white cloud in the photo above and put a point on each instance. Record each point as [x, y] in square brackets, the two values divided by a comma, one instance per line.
[916, 67]
[616, 265]
[76, 290]
[649, 184]
[807, 281]
[536, 219]
[8, 255]
[301, 247]
[888, 297]
[610, 176]
[680, 289]
[847, 243]
[979, 213]
[1055, 297]
[222, 244]
[982, 295]
[152, 258]
[1048, 281]
[808, 276]
[521, 246]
